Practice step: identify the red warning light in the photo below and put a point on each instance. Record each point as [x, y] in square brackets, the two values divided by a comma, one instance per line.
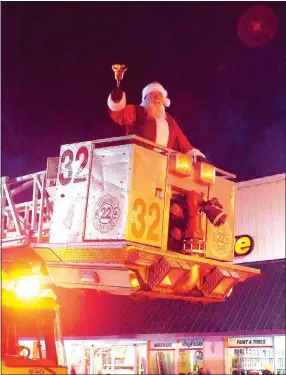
[257, 26]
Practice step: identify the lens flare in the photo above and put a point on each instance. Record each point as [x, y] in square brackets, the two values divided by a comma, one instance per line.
[257, 26]
[27, 288]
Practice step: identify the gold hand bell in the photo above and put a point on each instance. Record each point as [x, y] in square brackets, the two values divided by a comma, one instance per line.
[119, 70]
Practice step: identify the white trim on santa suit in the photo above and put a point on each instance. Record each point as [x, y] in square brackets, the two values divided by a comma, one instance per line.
[162, 126]
[162, 132]
[116, 106]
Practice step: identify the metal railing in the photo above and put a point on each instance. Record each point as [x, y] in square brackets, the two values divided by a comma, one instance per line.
[25, 221]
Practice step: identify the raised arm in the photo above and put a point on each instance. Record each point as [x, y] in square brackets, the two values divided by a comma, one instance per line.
[122, 114]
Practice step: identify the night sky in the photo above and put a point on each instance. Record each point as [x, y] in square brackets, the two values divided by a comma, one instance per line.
[228, 98]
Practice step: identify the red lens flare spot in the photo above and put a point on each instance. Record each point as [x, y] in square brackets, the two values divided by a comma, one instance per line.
[257, 26]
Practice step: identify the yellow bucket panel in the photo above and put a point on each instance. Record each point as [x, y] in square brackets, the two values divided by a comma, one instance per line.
[32, 370]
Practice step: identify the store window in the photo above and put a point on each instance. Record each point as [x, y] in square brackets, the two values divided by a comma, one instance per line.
[141, 359]
[162, 357]
[98, 357]
[279, 354]
[251, 354]
[76, 355]
[116, 360]
[190, 355]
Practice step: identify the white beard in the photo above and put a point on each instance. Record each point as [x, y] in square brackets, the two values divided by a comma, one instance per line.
[155, 110]
[162, 128]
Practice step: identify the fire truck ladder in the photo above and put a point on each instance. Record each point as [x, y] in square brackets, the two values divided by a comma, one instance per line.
[25, 222]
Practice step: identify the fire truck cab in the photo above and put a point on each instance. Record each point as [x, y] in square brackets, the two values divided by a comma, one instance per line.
[31, 341]
[112, 215]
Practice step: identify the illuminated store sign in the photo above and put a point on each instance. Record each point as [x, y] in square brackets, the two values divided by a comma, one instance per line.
[243, 245]
[244, 342]
[162, 345]
[188, 343]
[196, 343]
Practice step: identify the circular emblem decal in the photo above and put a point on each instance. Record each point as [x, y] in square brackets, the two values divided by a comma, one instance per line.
[221, 240]
[36, 371]
[107, 213]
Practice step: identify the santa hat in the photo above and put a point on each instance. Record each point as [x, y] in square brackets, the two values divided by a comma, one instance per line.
[156, 87]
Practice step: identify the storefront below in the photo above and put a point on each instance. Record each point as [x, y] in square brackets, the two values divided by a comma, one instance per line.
[135, 357]
[107, 356]
[178, 356]
[175, 356]
[257, 353]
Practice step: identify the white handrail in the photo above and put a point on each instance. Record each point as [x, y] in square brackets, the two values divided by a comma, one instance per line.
[26, 221]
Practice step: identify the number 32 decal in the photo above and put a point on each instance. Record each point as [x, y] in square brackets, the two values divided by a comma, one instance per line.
[138, 227]
[67, 159]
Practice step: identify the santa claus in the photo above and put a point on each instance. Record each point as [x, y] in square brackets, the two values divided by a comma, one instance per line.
[149, 120]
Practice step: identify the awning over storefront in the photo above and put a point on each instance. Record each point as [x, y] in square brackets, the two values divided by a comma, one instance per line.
[257, 305]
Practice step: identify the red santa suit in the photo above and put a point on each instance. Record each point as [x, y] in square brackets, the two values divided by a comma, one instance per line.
[163, 131]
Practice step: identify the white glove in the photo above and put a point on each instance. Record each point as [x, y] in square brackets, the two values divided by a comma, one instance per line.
[195, 152]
